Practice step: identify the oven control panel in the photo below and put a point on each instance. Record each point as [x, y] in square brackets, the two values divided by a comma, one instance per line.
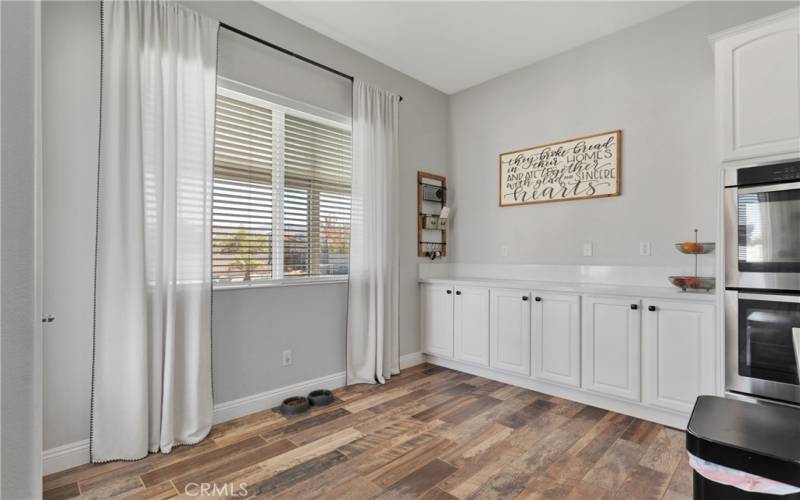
[769, 174]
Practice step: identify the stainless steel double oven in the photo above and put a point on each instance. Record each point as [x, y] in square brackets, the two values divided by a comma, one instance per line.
[762, 281]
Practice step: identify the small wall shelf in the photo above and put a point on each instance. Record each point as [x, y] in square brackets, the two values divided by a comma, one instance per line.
[431, 198]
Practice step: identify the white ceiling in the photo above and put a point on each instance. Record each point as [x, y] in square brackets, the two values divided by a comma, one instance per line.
[454, 45]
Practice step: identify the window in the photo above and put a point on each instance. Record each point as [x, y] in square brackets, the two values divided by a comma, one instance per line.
[281, 192]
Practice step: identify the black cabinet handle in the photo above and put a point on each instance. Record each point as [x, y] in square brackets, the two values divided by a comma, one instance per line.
[651, 308]
[458, 292]
[525, 297]
[634, 306]
[449, 292]
[537, 299]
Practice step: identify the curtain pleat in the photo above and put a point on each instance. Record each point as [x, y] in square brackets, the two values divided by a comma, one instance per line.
[372, 319]
[151, 383]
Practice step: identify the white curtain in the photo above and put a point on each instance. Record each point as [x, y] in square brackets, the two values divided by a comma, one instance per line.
[151, 379]
[372, 319]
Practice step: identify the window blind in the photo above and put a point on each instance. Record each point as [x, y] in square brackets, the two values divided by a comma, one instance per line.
[317, 163]
[281, 193]
[243, 194]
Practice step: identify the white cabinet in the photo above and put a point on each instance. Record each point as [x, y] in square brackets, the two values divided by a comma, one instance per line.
[678, 353]
[510, 330]
[471, 325]
[611, 328]
[436, 318]
[556, 338]
[646, 356]
[757, 69]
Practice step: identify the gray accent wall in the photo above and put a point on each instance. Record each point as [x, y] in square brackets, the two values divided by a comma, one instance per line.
[20, 337]
[655, 81]
[251, 327]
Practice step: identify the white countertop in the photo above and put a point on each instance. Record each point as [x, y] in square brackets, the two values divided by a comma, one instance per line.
[666, 292]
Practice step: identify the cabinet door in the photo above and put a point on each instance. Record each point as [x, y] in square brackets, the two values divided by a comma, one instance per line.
[510, 332]
[436, 316]
[471, 325]
[758, 90]
[610, 346]
[678, 350]
[556, 338]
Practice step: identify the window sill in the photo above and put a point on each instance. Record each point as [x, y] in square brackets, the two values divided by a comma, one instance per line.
[220, 287]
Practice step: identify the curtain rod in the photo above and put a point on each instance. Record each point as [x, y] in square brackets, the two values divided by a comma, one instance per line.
[287, 52]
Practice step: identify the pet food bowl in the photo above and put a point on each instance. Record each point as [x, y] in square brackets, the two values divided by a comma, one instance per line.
[294, 406]
[320, 397]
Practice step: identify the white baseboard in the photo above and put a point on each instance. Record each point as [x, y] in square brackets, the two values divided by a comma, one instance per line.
[411, 359]
[270, 399]
[663, 417]
[77, 453]
[65, 457]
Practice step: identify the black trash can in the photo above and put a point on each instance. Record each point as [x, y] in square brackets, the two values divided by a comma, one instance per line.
[760, 439]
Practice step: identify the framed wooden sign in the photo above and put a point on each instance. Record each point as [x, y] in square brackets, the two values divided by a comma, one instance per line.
[586, 167]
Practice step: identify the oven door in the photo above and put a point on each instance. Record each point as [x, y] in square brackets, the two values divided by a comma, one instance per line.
[761, 355]
[762, 230]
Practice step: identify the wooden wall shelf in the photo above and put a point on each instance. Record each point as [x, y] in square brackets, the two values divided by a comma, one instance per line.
[431, 198]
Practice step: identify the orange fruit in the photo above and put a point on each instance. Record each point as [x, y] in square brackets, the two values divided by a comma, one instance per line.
[692, 247]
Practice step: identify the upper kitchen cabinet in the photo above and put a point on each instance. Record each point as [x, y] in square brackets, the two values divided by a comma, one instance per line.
[758, 89]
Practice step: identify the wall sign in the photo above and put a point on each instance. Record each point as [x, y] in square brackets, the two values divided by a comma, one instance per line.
[586, 167]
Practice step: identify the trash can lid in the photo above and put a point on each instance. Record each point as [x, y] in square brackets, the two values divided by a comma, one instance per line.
[762, 439]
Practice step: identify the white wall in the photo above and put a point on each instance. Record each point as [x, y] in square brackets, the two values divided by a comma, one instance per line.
[250, 327]
[655, 82]
[21, 432]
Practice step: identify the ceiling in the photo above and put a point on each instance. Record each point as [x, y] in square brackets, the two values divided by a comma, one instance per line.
[452, 46]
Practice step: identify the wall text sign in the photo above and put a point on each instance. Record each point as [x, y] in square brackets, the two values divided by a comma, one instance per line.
[586, 167]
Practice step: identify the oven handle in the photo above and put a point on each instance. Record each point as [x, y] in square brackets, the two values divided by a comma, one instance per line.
[769, 188]
[771, 298]
[796, 342]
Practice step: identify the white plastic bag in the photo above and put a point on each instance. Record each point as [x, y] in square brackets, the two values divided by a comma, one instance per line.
[738, 479]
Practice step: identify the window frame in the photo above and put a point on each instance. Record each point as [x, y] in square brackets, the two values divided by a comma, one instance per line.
[279, 106]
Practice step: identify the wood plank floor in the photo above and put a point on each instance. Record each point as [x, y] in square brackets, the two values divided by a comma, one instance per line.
[429, 433]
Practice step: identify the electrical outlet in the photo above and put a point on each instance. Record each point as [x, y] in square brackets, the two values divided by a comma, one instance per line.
[287, 357]
[587, 249]
[504, 250]
[644, 248]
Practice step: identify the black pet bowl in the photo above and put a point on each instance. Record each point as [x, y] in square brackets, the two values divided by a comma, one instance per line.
[320, 397]
[294, 406]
